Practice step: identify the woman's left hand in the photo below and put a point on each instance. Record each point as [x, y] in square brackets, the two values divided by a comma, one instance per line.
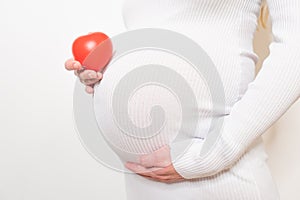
[156, 166]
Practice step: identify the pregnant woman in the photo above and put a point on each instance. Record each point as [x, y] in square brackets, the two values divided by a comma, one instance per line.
[235, 167]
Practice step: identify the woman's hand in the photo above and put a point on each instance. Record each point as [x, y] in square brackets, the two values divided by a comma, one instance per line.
[88, 77]
[156, 166]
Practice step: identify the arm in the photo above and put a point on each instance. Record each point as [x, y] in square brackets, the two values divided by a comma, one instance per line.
[274, 90]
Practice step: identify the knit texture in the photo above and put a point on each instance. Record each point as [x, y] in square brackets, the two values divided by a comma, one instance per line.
[234, 168]
[228, 26]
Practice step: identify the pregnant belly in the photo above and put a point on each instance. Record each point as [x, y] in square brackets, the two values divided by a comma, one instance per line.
[147, 99]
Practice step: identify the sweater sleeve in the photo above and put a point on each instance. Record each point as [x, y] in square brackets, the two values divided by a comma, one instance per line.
[268, 97]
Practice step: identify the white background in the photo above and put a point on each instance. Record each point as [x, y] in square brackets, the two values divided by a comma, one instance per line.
[41, 157]
[40, 154]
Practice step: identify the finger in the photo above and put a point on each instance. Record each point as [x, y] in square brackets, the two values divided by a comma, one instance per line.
[99, 75]
[158, 179]
[159, 158]
[72, 64]
[148, 173]
[147, 160]
[166, 171]
[89, 82]
[89, 89]
[139, 169]
[136, 168]
[90, 74]
[79, 71]
[164, 179]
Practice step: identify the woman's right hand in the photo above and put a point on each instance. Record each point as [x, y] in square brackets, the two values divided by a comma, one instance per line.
[88, 77]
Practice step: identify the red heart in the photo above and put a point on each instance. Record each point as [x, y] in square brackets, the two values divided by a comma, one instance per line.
[93, 51]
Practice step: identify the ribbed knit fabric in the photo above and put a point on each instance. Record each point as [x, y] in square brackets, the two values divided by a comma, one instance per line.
[235, 167]
[274, 90]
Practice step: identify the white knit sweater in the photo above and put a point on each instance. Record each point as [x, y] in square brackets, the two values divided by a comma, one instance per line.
[225, 28]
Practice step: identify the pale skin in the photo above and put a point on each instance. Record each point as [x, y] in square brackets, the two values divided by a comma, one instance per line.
[156, 166]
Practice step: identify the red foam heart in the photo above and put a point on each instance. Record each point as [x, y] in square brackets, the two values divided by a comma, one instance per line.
[93, 51]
